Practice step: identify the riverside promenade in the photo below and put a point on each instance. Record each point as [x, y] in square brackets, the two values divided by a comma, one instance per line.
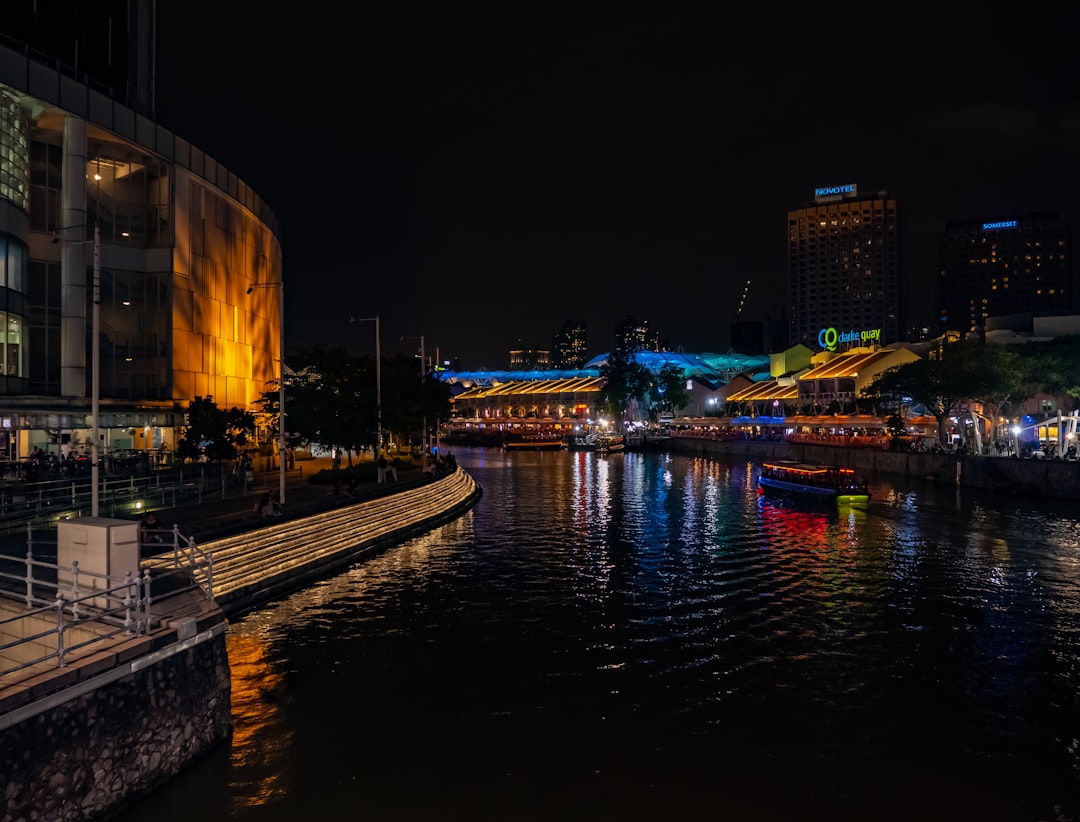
[156, 685]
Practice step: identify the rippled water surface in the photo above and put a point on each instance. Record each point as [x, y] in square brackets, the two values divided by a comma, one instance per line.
[641, 636]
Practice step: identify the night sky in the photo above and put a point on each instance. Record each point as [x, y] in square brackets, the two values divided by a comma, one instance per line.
[480, 177]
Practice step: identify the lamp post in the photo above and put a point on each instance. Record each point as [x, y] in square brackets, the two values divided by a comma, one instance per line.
[378, 383]
[423, 368]
[95, 374]
[280, 286]
[95, 361]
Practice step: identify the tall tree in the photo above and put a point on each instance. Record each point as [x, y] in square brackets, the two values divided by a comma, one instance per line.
[939, 383]
[330, 399]
[213, 432]
[667, 390]
[625, 380]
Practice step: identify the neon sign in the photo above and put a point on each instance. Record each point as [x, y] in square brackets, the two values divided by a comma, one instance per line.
[999, 224]
[830, 338]
[828, 191]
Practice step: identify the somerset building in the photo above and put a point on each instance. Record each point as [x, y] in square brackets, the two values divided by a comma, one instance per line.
[96, 197]
[1002, 266]
[844, 268]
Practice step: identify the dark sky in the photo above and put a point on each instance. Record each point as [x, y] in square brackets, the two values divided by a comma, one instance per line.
[481, 177]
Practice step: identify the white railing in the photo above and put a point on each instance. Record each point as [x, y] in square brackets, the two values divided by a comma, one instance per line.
[49, 611]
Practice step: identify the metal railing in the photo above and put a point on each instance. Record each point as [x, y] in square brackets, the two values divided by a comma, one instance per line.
[45, 502]
[49, 611]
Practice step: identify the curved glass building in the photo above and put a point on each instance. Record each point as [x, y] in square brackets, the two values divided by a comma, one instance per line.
[94, 192]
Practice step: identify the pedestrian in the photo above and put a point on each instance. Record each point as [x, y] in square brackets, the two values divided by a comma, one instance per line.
[265, 505]
[382, 465]
[150, 529]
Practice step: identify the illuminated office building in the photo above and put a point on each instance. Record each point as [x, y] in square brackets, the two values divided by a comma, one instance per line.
[569, 345]
[1001, 266]
[844, 268]
[181, 240]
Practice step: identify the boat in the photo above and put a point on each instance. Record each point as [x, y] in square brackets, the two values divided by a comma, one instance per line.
[535, 444]
[582, 442]
[609, 444]
[822, 482]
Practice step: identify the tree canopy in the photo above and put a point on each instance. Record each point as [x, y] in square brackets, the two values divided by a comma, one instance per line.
[625, 381]
[213, 432]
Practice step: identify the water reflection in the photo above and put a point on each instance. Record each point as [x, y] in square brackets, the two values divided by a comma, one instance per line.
[645, 636]
[260, 750]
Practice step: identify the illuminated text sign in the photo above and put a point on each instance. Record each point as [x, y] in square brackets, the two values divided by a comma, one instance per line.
[999, 224]
[828, 191]
[830, 338]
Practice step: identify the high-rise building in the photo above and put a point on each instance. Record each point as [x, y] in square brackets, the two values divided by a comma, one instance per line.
[568, 345]
[97, 198]
[844, 276]
[1012, 265]
[527, 359]
[632, 335]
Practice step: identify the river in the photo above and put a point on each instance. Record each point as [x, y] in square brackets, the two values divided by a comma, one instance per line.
[641, 636]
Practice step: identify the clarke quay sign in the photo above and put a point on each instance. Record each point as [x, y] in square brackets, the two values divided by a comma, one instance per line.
[827, 194]
[831, 339]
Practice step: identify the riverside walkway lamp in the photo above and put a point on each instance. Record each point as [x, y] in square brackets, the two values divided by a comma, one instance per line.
[378, 382]
[95, 360]
[423, 370]
[280, 286]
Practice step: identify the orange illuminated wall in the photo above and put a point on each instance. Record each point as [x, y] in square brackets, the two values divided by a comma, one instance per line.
[225, 341]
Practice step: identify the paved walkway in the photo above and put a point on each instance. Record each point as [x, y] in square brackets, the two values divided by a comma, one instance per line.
[219, 515]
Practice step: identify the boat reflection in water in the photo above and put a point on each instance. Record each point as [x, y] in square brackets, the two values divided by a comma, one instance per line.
[819, 482]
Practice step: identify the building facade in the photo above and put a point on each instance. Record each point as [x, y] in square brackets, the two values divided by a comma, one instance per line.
[569, 345]
[1003, 266]
[99, 201]
[844, 269]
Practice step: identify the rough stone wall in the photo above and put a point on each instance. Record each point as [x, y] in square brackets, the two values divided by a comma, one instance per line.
[1049, 478]
[87, 758]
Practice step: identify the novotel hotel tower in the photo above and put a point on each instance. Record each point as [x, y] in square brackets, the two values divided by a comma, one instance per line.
[1017, 264]
[844, 265]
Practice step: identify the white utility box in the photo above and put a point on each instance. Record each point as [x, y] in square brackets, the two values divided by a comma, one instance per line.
[103, 548]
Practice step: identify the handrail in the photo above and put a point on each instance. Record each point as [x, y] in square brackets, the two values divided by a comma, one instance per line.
[81, 613]
[91, 607]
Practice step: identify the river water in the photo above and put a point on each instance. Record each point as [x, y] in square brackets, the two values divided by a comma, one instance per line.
[642, 636]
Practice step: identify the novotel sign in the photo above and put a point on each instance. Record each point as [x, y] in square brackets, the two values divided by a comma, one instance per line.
[999, 224]
[832, 192]
[830, 338]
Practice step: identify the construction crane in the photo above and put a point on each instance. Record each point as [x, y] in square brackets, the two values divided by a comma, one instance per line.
[742, 300]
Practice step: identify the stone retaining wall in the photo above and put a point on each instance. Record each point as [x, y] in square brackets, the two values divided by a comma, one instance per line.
[1049, 478]
[82, 759]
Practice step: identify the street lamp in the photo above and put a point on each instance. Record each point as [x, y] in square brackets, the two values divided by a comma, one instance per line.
[280, 286]
[423, 368]
[378, 383]
[95, 362]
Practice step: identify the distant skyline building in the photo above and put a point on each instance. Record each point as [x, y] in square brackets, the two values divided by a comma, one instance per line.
[844, 270]
[1012, 265]
[527, 359]
[632, 335]
[569, 345]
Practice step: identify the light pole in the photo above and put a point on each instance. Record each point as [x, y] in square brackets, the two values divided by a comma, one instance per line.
[423, 368]
[95, 374]
[280, 286]
[95, 361]
[378, 383]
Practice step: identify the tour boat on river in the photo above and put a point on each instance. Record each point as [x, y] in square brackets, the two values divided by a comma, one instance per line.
[822, 482]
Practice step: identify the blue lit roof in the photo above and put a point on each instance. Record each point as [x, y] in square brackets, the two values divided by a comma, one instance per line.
[717, 368]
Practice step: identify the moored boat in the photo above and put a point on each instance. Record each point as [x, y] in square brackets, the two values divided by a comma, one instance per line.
[535, 444]
[822, 482]
[609, 443]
